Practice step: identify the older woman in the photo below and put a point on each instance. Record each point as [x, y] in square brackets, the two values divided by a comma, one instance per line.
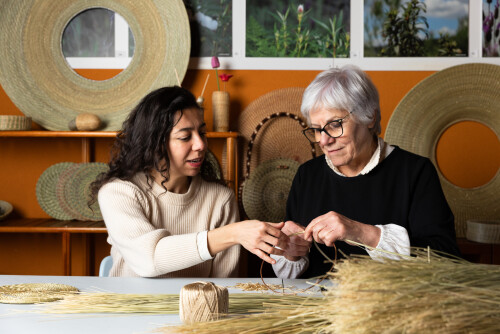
[362, 189]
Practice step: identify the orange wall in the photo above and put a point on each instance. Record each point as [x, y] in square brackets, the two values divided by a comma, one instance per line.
[469, 154]
[246, 85]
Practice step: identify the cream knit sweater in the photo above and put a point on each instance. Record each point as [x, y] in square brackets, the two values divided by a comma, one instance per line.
[153, 233]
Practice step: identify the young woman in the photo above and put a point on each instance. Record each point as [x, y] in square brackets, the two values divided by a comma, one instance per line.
[165, 214]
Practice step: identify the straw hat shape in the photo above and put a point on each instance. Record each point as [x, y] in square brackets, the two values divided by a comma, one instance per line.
[35, 75]
[467, 92]
[280, 138]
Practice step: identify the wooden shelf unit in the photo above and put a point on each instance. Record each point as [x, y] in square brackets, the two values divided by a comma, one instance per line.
[67, 228]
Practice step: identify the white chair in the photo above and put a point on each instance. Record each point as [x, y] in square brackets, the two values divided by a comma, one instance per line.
[105, 266]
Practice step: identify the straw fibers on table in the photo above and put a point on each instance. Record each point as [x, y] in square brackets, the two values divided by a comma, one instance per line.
[425, 293]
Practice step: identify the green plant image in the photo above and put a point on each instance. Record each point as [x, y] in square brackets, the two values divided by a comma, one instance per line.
[211, 27]
[282, 28]
[402, 28]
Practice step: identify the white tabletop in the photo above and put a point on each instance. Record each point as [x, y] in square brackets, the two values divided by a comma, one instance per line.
[16, 318]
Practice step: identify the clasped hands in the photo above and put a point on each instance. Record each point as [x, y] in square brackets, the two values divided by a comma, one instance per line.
[294, 241]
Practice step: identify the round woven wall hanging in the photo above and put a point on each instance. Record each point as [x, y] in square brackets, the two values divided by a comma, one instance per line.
[36, 77]
[467, 92]
[284, 137]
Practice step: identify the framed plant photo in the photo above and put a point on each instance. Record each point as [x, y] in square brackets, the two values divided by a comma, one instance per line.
[281, 28]
[416, 28]
[211, 23]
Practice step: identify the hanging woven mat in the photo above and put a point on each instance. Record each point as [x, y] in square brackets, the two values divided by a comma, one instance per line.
[32, 293]
[77, 191]
[263, 195]
[279, 140]
[38, 80]
[467, 92]
[46, 191]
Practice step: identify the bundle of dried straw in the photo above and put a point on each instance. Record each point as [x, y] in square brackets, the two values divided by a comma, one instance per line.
[425, 293]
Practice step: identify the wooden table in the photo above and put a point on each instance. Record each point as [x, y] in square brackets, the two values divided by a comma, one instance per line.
[20, 319]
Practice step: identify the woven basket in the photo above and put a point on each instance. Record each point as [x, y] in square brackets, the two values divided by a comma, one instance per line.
[263, 195]
[483, 231]
[11, 123]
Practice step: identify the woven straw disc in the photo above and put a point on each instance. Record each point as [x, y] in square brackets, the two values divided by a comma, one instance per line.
[266, 191]
[467, 92]
[46, 191]
[65, 176]
[279, 138]
[31, 293]
[77, 190]
[36, 77]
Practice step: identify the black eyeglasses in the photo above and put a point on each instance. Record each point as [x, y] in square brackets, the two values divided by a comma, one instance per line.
[333, 128]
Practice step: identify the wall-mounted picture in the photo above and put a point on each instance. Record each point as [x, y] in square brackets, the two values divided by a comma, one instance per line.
[211, 27]
[491, 28]
[416, 28]
[282, 28]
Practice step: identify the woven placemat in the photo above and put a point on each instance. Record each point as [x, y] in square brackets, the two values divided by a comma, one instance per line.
[49, 91]
[65, 176]
[282, 138]
[265, 192]
[467, 92]
[77, 191]
[46, 191]
[32, 293]
[14, 123]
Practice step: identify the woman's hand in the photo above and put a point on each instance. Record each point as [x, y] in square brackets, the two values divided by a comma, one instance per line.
[297, 246]
[332, 226]
[261, 238]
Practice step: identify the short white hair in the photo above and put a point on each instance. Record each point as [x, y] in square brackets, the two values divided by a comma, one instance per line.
[347, 88]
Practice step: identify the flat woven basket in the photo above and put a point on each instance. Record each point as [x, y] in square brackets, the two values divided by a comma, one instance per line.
[14, 123]
[483, 231]
[263, 195]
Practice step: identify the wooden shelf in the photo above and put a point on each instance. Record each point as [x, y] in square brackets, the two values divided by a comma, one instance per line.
[91, 134]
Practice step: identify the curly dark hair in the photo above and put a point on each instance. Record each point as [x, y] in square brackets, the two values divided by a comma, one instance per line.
[140, 145]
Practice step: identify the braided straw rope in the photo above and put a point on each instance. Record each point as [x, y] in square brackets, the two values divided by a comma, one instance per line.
[467, 92]
[36, 77]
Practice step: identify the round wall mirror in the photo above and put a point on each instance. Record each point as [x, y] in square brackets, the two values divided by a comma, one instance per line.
[98, 38]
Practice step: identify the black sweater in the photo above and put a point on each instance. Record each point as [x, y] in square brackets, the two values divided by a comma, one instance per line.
[404, 189]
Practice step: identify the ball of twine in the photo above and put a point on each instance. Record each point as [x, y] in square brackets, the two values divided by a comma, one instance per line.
[203, 301]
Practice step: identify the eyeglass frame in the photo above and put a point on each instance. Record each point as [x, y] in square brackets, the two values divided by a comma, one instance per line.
[340, 121]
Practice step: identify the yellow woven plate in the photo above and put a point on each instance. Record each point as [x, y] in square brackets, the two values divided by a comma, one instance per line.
[49, 91]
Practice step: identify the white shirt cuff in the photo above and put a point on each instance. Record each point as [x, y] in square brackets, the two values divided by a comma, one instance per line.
[284, 268]
[202, 243]
[393, 240]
